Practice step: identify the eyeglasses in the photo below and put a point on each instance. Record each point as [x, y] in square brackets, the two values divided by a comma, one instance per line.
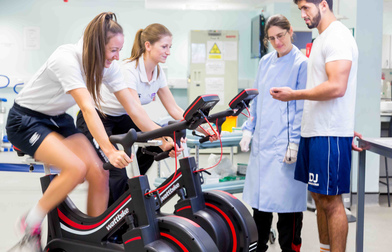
[279, 36]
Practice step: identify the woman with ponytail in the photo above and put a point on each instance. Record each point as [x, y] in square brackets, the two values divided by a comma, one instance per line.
[38, 125]
[145, 79]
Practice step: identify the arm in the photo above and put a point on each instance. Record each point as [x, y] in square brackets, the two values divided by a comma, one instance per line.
[170, 104]
[295, 131]
[95, 126]
[335, 87]
[249, 126]
[295, 124]
[129, 99]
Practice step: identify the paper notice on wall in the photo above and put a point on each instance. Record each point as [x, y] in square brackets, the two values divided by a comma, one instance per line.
[31, 38]
[230, 50]
[7, 48]
[216, 86]
[215, 67]
[215, 50]
[198, 53]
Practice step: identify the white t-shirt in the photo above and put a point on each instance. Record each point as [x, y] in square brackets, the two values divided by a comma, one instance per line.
[46, 92]
[334, 117]
[136, 79]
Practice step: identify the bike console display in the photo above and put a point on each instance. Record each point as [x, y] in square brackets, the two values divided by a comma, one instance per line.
[200, 107]
[243, 99]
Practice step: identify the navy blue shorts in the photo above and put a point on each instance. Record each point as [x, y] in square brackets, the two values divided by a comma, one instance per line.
[26, 128]
[324, 163]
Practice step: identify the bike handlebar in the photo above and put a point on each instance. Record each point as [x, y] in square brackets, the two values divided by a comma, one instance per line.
[179, 127]
[126, 140]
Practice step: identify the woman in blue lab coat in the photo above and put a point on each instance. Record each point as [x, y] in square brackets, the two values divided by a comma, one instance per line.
[274, 128]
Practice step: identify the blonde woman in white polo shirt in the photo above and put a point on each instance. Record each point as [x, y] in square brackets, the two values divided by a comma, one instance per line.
[145, 79]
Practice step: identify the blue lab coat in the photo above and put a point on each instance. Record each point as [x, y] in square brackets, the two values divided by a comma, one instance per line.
[269, 183]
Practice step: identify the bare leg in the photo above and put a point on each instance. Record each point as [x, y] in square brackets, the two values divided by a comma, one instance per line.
[322, 223]
[97, 177]
[61, 153]
[336, 220]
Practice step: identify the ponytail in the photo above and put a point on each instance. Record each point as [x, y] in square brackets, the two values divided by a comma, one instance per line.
[138, 47]
[97, 34]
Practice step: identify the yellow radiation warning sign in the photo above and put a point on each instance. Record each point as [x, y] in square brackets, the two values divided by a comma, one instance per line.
[215, 52]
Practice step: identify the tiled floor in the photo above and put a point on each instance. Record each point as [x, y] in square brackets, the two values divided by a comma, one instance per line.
[20, 191]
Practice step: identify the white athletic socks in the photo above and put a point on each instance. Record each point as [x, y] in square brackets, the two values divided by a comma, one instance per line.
[35, 217]
[324, 247]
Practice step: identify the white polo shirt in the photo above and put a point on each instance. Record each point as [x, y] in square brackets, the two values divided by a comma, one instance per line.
[47, 91]
[136, 79]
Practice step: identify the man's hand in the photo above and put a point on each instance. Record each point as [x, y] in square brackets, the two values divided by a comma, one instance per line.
[282, 93]
[353, 145]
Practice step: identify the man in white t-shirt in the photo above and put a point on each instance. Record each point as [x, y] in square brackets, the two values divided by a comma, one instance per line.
[327, 130]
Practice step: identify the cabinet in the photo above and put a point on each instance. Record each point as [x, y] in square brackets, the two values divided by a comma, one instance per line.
[214, 65]
[386, 51]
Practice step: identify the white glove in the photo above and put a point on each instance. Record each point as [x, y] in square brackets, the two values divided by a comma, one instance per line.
[291, 154]
[245, 141]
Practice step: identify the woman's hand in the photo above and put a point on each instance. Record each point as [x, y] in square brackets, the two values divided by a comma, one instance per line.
[119, 159]
[178, 149]
[208, 132]
[168, 144]
[214, 137]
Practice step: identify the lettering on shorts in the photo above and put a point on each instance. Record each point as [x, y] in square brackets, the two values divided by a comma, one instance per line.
[313, 179]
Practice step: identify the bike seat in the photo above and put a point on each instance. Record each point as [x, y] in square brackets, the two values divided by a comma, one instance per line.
[19, 152]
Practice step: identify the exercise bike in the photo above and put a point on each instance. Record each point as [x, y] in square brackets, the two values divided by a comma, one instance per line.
[134, 213]
[223, 216]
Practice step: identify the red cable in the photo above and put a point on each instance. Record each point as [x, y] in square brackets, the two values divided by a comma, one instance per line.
[249, 116]
[220, 159]
[175, 172]
[212, 127]
[208, 133]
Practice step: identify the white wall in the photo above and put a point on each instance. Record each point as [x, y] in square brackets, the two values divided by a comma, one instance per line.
[387, 18]
[61, 23]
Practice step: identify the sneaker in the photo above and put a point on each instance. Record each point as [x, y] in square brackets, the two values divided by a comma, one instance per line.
[31, 238]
